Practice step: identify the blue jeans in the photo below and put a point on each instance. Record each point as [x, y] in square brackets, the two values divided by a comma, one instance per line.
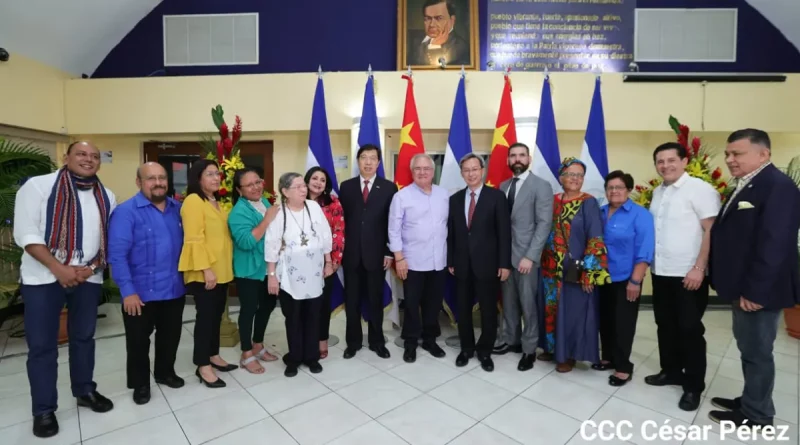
[43, 305]
[755, 335]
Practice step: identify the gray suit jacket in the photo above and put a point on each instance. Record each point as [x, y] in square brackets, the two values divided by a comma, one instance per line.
[531, 218]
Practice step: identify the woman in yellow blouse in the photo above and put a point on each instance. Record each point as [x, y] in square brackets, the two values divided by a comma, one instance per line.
[207, 266]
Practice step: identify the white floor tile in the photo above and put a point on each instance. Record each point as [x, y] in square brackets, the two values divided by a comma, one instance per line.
[217, 417]
[194, 392]
[472, 396]
[163, 430]
[264, 431]
[338, 373]
[643, 423]
[566, 397]
[321, 420]
[426, 421]
[424, 374]
[481, 434]
[530, 423]
[372, 433]
[506, 375]
[379, 394]
[21, 433]
[283, 393]
[125, 413]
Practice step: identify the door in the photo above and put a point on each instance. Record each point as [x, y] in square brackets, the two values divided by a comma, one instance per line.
[178, 157]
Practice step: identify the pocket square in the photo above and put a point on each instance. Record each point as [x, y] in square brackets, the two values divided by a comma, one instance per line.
[744, 205]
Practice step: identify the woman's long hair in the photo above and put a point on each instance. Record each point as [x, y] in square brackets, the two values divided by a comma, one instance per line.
[194, 175]
[324, 199]
[237, 180]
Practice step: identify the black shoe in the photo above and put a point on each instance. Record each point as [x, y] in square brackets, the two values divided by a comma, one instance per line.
[141, 395]
[689, 401]
[380, 351]
[526, 362]
[463, 358]
[219, 383]
[736, 417]
[486, 363]
[433, 348]
[350, 352]
[602, 366]
[290, 371]
[410, 355]
[96, 402]
[172, 381]
[45, 425]
[500, 349]
[662, 379]
[227, 368]
[314, 367]
[727, 404]
[516, 349]
[616, 381]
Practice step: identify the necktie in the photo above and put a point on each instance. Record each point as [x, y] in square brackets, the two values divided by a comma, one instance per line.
[512, 194]
[365, 192]
[471, 210]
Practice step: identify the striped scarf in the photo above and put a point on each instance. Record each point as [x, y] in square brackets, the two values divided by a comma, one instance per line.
[64, 233]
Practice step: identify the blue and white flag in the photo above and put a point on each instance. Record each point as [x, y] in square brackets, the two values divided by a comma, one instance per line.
[368, 132]
[320, 154]
[595, 152]
[547, 157]
[459, 143]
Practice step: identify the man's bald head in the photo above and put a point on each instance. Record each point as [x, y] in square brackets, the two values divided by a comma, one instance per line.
[152, 180]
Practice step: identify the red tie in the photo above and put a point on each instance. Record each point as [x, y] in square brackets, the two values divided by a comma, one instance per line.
[365, 192]
[471, 210]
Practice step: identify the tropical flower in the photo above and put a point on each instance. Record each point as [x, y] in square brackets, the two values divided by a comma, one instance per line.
[699, 166]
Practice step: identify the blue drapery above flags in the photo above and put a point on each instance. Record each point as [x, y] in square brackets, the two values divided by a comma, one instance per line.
[595, 152]
[320, 154]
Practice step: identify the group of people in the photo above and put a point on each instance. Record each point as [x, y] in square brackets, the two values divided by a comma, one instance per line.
[591, 261]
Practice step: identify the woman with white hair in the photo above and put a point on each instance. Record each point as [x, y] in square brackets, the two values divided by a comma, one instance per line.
[298, 254]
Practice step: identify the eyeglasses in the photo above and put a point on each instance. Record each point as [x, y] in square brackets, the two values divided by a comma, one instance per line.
[368, 158]
[298, 187]
[423, 169]
[471, 170]
[253, 184]
[572, 175]
[616, 188]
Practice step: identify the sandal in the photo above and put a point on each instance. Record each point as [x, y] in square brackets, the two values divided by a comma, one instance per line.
[257, 369]
[265, 356]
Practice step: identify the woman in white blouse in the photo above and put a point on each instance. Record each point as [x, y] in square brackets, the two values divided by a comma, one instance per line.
[298, 254]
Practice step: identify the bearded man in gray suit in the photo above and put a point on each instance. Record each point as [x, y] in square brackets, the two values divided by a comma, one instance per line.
[530, 201]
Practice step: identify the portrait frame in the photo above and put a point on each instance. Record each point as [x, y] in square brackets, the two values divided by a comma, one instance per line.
[407, 29]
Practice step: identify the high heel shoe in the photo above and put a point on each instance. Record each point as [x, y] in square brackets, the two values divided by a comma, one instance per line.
[215, 384]
[613, 380]
[227, 368]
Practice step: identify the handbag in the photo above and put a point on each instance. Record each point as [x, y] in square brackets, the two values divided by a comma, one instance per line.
[573, 269]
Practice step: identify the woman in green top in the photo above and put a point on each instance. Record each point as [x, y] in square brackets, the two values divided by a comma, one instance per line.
[248, 222]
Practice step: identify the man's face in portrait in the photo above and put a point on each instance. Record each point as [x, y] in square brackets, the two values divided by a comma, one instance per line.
[438, 22]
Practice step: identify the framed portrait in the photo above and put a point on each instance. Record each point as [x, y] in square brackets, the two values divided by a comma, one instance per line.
[437, 34]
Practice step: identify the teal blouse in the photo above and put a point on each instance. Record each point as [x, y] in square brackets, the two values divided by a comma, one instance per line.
[248, 254]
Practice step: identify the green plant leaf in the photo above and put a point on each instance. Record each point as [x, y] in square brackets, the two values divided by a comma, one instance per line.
[674, 124]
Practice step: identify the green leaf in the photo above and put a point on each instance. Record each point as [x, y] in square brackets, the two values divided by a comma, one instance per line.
[674, 124]
[218, 116]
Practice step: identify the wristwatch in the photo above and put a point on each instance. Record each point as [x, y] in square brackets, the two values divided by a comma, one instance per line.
[93, 268]
[270, 274]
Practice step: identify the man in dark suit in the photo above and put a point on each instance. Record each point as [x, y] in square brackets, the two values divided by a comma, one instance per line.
[754, 265]
[365, 200]
[479, 256]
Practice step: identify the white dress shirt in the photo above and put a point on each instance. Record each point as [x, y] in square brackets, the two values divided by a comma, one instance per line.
[369, 185]
[522, 177]
[30, 225]
[677, 210]
[300, 268]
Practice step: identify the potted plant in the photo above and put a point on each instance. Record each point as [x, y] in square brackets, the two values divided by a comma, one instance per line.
[792, 315]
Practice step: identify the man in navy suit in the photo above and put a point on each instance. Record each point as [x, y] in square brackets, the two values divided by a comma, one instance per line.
[754, 264]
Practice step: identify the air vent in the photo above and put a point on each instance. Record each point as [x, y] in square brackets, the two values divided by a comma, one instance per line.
[685, 35]
[211, 39]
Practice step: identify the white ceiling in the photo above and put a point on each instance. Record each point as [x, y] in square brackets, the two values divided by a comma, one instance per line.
[72, 35]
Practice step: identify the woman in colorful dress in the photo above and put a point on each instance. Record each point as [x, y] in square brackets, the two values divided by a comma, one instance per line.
[319, 190]
[574, 262]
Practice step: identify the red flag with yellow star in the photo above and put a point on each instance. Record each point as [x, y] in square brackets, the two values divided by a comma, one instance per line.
[505, 134]
[410, 139]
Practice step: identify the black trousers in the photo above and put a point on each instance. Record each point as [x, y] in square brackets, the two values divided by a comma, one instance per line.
[679, 318]
[618, 318]
[425, 291]
[166, 318]
[302, 328]
[364, 286]
[485, 292]
[256, 307]
[325, 309]
[210, 305]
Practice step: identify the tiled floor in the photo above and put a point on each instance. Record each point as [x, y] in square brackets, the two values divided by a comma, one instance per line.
[372, 401]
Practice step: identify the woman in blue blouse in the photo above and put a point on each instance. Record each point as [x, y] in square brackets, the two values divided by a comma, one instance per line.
[629, 235]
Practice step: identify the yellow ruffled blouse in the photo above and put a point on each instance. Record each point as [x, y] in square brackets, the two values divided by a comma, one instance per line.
[206, 241]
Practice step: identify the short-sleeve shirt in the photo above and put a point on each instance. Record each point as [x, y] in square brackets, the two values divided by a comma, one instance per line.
[677, 210]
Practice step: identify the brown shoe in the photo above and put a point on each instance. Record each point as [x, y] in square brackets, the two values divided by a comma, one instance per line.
[545, 357]
[564, 367]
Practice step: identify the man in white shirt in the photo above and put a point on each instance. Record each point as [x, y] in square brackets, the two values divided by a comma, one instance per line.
[684, 209]
[61, 221]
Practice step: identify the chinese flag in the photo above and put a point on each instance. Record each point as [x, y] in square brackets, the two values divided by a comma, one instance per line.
[505, 134]
[410, 139]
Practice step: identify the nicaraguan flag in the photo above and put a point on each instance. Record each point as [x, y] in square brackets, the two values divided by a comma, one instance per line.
[368, 132]
[320, 154]
[595, 152]
[546, 157]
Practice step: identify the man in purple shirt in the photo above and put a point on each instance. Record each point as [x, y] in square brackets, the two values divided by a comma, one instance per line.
[418, 239]
[144, 246]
